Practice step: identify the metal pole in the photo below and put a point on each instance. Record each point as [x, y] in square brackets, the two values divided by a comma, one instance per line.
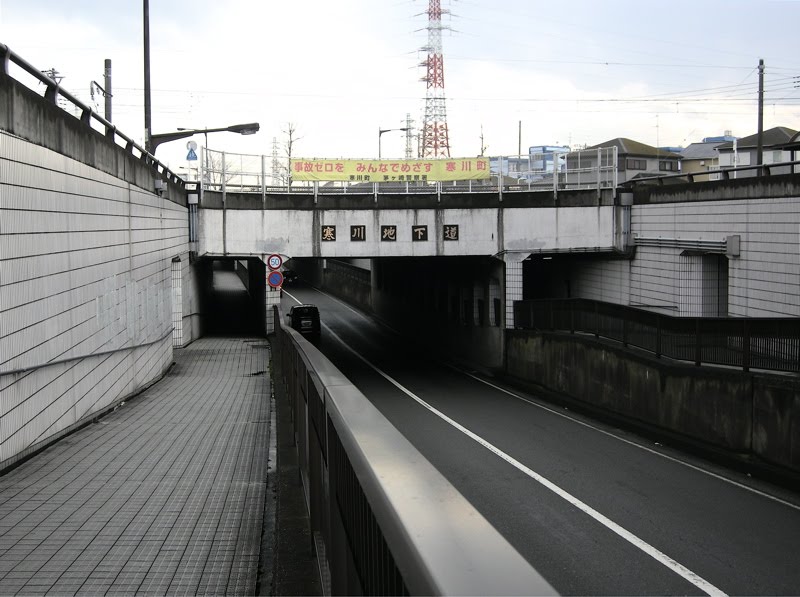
[224, 213]
[760, 151]
[107, 83]
[599, 162]
[263, 182]
[148, 125]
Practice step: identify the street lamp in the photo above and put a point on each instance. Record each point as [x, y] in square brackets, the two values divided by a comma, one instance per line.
[381, 131]
[250, 128]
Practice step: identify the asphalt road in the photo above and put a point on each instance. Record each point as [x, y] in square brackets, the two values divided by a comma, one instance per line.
[594, 509]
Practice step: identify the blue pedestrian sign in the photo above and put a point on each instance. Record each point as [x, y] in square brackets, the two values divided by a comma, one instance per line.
[191, 156]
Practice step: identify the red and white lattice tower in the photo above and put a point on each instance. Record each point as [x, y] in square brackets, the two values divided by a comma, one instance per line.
[434, 141]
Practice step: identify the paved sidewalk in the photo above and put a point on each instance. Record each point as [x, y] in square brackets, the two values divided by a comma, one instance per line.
[164, 496]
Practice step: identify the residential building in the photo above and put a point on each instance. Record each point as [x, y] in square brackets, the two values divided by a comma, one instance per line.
[634, 159]
[699, 158]
[776, 144]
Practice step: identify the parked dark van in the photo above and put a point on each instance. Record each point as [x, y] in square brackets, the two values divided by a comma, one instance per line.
[305, 319]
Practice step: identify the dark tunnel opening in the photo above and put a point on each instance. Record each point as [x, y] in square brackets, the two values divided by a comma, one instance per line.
[233, 298]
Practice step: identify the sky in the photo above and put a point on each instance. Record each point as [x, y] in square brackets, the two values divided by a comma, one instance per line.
[517, 73]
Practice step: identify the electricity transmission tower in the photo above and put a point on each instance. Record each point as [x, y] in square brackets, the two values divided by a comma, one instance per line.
[434, 140]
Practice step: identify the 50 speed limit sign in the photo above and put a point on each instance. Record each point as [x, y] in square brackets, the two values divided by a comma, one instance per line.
[274, 261]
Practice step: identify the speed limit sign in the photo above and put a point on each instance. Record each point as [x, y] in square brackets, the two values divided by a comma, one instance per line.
[274, 261]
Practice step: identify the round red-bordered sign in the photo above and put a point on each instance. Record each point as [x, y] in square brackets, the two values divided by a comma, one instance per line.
[275, 279]
[274, 261]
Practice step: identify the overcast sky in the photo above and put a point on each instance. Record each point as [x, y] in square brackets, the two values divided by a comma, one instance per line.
[573, 73]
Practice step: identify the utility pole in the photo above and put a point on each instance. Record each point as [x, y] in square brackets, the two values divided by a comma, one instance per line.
[760, 151]
[105, 89]
[409, 136]
[148, 125]
[107, 82]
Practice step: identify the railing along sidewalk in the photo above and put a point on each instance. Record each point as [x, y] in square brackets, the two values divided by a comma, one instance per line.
[54, 91]
[747, 342]
[390, 523]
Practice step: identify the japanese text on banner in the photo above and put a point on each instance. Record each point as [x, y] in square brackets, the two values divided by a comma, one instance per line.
[390, 170]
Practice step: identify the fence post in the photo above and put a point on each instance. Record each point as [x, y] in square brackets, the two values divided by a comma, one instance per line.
[746, 346]
[624, 331]
[596, 321]
[263, 183]
[658, 336]
[571, 317]
[698, 349]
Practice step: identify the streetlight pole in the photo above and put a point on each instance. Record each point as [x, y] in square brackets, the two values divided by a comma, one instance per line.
[148, 126]
[250, 128]
[381, 131]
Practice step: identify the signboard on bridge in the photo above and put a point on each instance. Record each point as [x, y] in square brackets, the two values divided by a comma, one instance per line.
[444, 170]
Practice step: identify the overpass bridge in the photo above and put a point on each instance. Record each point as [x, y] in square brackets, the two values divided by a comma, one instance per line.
[105, 271]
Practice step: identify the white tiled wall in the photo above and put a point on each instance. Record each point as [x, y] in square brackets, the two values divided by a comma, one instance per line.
[84, 270]
[763, 281]
[513, 289]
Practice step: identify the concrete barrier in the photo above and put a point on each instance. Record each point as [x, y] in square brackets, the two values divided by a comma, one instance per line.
[749, 415]
[385, 521]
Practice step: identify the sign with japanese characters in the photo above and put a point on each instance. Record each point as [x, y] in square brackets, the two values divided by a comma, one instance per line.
[390, 233]
[329, 233]
[450, 232]
[358, 232]
[445, 170]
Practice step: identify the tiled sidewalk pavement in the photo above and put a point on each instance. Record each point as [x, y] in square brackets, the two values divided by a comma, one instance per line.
[163, 496]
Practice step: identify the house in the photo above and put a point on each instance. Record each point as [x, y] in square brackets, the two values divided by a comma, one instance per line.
[634, 159]
[777, 144]
[700, 157]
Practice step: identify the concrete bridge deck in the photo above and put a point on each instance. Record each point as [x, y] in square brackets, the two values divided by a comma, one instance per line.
[166, 495]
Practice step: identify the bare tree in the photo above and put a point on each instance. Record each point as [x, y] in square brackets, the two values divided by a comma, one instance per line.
[213, 169]
[291, 139]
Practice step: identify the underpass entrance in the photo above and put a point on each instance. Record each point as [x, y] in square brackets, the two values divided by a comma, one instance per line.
[233, 296]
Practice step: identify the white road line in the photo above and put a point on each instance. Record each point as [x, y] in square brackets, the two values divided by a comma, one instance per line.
[654, 553]
[627, 441]
[291, 296]
[598, 429]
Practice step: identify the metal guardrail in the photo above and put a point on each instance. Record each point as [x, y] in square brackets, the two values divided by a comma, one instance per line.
[771, 344]
[54, 91]
[389, 521]
[594, 169]
[723, 173]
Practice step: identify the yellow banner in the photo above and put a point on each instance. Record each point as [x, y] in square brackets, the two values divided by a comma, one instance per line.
[391, 170]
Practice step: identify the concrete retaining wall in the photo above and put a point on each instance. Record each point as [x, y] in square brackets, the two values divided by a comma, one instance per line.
[745, 413]
[86, 291]
[348, 282]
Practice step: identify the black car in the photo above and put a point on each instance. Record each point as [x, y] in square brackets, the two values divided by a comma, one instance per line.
[289, 276]
[305, 319]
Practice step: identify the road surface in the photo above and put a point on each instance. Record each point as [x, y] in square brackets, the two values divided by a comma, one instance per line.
[594, 509]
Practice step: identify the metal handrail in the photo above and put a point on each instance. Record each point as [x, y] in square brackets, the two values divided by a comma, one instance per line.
[217, 172]
[766, 343]
[390, 523]
[54, 91]
[724, 172]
